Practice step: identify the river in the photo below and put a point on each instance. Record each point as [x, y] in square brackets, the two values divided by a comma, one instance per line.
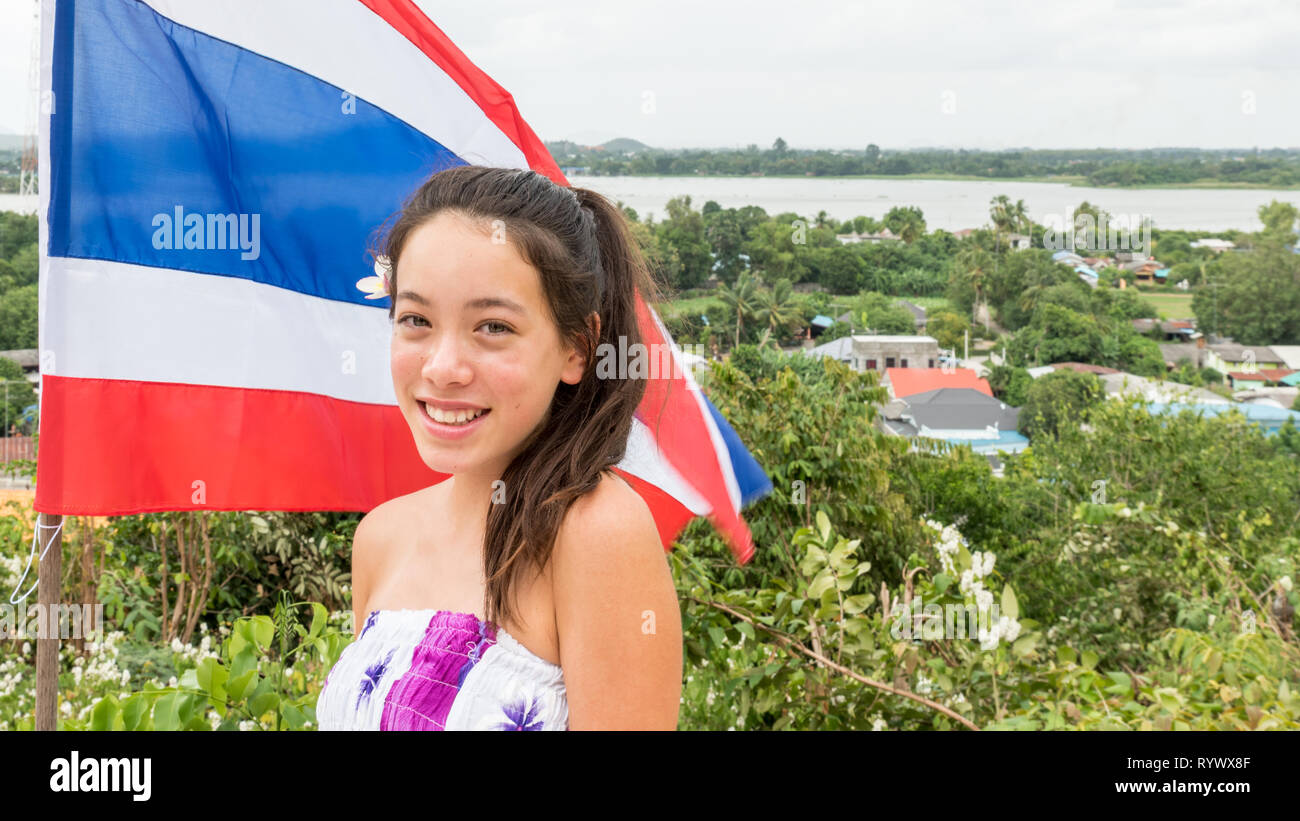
[947, 204]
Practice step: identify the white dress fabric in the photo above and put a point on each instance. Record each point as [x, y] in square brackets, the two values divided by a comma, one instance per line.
[440, 670]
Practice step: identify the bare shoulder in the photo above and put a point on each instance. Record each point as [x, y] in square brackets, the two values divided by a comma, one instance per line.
[614, 518]
[371, 542]
[618, 623]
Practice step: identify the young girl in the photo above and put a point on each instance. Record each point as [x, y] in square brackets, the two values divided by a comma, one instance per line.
[529, 590]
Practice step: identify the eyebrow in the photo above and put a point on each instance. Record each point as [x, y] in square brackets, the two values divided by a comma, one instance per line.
[480, 303]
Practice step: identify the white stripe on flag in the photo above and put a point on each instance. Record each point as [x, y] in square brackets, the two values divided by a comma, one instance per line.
[644, 460]
[122, 321]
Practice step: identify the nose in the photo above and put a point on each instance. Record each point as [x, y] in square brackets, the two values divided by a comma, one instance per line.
[445, 362]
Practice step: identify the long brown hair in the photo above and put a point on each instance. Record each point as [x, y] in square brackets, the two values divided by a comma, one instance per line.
[588, 260]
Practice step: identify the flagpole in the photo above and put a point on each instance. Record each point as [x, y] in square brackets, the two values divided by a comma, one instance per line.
[48, 594]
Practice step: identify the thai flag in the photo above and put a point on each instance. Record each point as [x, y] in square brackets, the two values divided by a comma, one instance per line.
[211, 174]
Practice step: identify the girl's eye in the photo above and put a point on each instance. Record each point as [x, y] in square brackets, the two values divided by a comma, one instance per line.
[505, 328]
[410, 316]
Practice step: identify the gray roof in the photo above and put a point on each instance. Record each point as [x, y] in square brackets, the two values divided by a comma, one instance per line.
[1175, 351]
[838, 349]
[917, 310]
[26, 357]
[960, 409]
[1232, 352]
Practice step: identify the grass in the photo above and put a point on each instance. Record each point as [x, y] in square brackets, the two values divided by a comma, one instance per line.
[1171, 306]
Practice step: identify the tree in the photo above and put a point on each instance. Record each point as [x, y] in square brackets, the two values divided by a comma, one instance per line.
[873, 154]
[741, 301]
[882, 315]
[906, 221]
[779, 147]
[1059, 398]
[1010, 384]
[20, 393]
[948, 329]
[776, 309]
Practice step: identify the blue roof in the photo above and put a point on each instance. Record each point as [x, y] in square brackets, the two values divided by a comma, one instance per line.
[1267, 416]
[823, 321]
[1084, 269]
[1065, 253]
[1006, 440]
[1162, 272]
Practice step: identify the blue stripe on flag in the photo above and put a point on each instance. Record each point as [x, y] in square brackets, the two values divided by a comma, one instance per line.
[753, 482]
[152, 115]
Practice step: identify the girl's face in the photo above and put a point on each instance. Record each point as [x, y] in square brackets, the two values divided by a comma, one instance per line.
[472, 331]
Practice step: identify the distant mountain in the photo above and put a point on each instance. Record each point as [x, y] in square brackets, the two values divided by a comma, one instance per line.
[619, 146]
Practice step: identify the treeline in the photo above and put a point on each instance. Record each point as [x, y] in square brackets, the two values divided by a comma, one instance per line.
[19, 266]
[1100, 167]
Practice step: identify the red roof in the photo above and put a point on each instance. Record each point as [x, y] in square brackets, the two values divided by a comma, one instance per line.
[909, 381]
[1263, 375]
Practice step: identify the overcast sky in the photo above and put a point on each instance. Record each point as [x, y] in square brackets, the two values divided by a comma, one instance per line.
[908, 73]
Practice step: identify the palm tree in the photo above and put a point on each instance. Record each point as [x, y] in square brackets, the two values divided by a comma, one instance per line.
[1020, 217]
[776, 308]
[1000, 209]
[740, 300]
[975, 261]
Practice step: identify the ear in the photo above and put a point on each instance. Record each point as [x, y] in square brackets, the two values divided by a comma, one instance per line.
[576, 364]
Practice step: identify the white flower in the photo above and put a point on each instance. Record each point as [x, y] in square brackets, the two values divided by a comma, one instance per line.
[879, 724]
[1285, 581]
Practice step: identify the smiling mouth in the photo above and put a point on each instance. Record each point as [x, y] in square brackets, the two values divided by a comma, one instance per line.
[454, 418]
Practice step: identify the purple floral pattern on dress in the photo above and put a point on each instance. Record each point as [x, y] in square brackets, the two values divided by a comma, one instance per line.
[522, 715]
[370, 620]
[373, 674]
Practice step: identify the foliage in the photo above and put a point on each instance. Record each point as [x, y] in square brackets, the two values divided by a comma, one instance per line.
[1057, 400]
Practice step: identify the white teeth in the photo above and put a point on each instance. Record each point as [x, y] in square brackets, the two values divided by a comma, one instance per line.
[457, 417]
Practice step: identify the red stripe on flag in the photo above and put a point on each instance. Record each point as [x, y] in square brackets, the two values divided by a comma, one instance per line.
[118, 447]
[113, 447]
[496, 102]
[676, 421]
[670, 515]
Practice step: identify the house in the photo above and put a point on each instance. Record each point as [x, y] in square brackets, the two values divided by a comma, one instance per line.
[1083, 367]
[1269, 418]
[883, 235]
[1124, 384]
[1096, 263]
[1194, 352]
[1019, 242]
[871, 352]
[1262, 377]
[1174, 330]
[1144, 271]
[1229, 356]
[905, 382]
[1067, 258]
[918, 313]
[29, 360]
[1216, 245]
[1290, 355]
[818, 325]
[961, 416]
